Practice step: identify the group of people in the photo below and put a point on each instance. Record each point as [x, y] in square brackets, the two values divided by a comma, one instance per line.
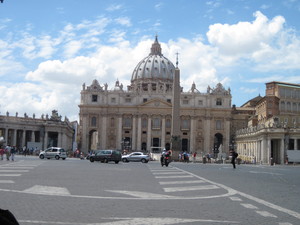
[9, 152]
[185, 156]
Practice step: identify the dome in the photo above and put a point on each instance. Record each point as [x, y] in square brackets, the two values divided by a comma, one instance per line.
[154, 66]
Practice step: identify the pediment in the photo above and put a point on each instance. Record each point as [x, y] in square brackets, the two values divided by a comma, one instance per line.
[156, 103]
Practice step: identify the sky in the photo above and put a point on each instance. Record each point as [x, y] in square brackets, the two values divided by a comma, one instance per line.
[49, 49]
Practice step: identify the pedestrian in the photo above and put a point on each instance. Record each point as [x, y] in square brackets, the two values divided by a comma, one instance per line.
[12, 153]
[194, 156]
[234, 155]
[7, 152]
[1, 153]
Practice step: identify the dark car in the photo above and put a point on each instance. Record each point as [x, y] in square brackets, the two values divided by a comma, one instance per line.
[106, 156]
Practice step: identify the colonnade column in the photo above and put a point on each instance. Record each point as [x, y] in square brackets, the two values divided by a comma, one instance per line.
[192, 134]
[133, 141]
[119, 132]
[206, 135]
[6, 135]
[264, 150]
[282, 150]
[149, 134]
[45, 140]
[163, 132]
[103, 132]
[24, 137]
[32, 136]
[295, 144]
[15, 138]
[139, 133]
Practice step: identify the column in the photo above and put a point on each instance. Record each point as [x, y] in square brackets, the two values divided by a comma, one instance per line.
[264, 154]
[133, 141]
[295, 144]
[227, 136]
[24, 137]
[6, 135]
[139, 134]
[163, 132]
[149, 134]
[119, 133]
[268, 149]
[15, 138]
[282, 150]
[46, 140]
[32, 136]
[192, 134]
[206, 135]
[103, 132]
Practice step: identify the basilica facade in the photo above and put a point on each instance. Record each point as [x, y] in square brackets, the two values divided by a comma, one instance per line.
[139, 117]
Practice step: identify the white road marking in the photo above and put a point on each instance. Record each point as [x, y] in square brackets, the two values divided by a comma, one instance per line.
[191, 188]
[162, 173]
[285, 224]
[266, 214]
[142, 195]
[265, 172]
[10, 175]
[249, 206]
[19, 167]
[37, 189]
[181, 182]
[134, 221]
[172, 177]
[235, 199]
[258, 200]
[7, 182]
[9, 171]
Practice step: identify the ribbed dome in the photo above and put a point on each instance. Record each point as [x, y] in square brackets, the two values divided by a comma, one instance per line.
[154, 66]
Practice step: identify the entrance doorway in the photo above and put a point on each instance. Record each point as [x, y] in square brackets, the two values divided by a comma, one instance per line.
[185, 145]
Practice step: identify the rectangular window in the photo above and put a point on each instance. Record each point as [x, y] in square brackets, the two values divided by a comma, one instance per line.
[185, 124]
[144, 123]
[185, 102]
[94, 98]
[200, 102]
[128, 100]
[113, 100]
[219, 101]
[218, 125]
[94, 121]
[145, 100]
[127, 122]
[169, 100]
[156, 123]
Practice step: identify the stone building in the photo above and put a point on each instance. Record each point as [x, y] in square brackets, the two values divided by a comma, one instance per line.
[139, 117]
[273, 132]
[37, 132]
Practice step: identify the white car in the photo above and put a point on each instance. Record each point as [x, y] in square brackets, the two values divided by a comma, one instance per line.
[53, 152]
[136, 157]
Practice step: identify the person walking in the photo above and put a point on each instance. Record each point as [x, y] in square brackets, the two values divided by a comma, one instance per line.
[12, 153]
[234, 155]
[7, 152]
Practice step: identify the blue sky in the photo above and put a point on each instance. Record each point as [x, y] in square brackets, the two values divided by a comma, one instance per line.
[48, 49]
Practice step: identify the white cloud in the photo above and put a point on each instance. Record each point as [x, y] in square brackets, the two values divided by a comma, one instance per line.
[114, 7]
[125, 21]
[244, 37]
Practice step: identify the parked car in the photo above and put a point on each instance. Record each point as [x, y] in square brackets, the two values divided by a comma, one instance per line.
[106, 156]
[136, 157]
[53, 152]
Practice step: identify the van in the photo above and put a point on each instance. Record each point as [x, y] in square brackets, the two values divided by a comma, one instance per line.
[53, 152]
[106, 156]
